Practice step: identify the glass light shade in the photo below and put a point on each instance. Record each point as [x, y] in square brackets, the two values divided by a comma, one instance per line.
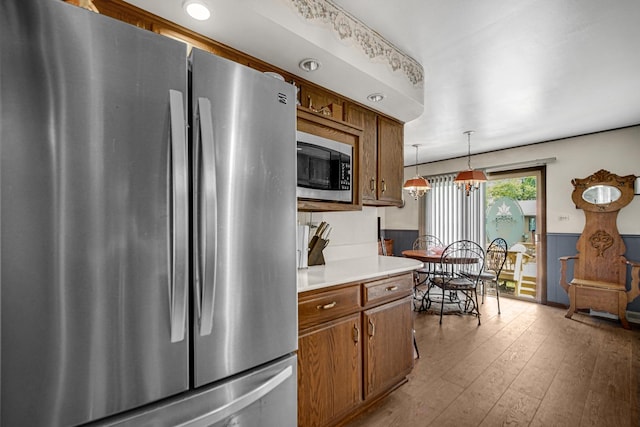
[417, 186]
[470, 180]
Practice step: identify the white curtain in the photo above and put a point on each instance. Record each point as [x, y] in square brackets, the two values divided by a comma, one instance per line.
[446, 212]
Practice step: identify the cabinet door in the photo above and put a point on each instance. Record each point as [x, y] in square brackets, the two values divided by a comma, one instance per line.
[390, 160]
[366, 119]
[329, 371]
[389, 347]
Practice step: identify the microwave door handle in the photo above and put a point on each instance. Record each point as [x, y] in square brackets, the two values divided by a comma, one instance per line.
[207, 238]
[177, 207]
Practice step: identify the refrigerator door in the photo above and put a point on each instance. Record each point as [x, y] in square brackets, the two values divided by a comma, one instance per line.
[264, 397]
[244, 158]
[93, 215]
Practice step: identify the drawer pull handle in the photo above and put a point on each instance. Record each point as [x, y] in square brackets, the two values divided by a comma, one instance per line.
[327, 306]
[392, 288]
[356, 334]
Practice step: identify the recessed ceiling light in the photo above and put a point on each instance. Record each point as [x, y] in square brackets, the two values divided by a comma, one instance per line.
[196, 9]
[309, 64]
[376, 97]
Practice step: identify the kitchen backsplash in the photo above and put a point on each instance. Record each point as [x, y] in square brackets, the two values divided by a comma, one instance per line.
[354, 233]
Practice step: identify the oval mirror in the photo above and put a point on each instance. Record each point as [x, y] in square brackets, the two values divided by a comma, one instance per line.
[601, 194]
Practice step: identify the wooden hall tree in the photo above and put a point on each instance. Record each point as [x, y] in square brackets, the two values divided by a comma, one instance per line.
[600, 268]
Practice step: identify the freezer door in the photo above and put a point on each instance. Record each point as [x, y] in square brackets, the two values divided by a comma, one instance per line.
[263, 397]
[93, 215]
[244, 163]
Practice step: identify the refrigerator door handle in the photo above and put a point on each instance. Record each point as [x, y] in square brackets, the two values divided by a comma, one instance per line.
[237, 405]
[206, 220]
[178, 200]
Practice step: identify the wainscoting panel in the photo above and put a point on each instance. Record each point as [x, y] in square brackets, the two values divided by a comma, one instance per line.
[559, 245]
[402, 239]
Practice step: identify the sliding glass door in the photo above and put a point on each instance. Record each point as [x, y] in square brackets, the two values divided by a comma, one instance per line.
[515, 211]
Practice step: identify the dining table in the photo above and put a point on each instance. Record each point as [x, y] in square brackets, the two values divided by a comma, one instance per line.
[431, 259]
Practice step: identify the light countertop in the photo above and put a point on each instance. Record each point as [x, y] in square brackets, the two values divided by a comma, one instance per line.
[353, 270]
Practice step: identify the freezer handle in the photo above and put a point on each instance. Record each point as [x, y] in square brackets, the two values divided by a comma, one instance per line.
[237, 405]
[205, 218]
[178, 199]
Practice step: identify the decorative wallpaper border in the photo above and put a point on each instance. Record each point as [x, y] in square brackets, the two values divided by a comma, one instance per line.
[372, 44]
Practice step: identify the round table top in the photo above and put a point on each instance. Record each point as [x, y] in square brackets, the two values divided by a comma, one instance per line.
[424, 256]
[421, 255]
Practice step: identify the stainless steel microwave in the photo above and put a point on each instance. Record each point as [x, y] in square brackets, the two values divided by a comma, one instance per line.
[324, 168]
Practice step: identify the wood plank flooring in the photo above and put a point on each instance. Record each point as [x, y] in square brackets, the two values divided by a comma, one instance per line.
[529, 366]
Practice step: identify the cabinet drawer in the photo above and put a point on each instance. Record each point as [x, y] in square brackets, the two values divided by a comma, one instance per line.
[388, 289]
[328, 305]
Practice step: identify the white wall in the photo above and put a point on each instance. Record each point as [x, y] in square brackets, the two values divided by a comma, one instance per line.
[617, 151]
[354, 234]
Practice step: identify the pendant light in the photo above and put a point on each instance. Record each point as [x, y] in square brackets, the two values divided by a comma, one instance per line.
[470, 179]
[416, 186]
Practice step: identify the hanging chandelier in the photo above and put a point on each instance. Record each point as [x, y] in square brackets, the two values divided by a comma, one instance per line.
[416, 186]
[469, 179]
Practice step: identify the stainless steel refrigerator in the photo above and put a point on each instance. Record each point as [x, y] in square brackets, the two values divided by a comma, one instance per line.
[147, 210]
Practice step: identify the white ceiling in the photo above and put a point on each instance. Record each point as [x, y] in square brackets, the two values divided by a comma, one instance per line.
[515, 72]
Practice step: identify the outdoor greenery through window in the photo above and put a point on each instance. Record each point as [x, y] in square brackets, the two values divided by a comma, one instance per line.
[515, 188]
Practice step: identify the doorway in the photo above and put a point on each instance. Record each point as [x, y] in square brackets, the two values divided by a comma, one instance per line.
[515, 210]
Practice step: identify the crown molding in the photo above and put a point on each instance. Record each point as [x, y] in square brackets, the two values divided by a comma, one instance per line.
[346, 26]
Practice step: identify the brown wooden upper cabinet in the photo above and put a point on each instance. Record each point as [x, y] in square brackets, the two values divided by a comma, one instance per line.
[390, 161]
[382, 143]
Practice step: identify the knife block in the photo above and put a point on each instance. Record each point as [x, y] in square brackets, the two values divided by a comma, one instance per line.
[316, 246]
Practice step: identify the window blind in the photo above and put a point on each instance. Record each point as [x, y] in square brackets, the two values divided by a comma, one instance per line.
[448, 213]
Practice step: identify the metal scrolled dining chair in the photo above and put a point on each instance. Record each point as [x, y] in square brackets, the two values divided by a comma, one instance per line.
[461, 264]
[494, 262]
[427, 242]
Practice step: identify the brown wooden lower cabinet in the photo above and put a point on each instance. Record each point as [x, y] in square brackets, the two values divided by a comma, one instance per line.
[352, 353]
[329, 371]
[389, 349]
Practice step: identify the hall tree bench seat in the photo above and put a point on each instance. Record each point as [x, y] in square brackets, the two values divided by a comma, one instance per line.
[355, 341]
